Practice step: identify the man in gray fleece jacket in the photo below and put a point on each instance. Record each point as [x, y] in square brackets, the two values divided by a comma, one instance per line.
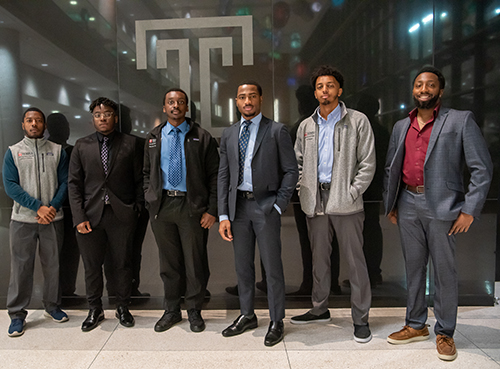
[35, 176]
[335, 152]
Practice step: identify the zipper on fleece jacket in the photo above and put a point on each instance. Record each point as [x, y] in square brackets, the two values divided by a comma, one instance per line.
[39, 184]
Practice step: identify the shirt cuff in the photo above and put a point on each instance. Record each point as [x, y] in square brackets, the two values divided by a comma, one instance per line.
[277, 208]
[223, 217]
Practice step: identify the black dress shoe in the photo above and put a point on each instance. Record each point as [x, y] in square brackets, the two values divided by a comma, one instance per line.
[126, 319]
[167, 320]
[274, 333]
[232, 290]
[240, 325]
[196, 322]
[93, 319]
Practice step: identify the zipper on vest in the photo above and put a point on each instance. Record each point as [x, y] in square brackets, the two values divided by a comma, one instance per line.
[43, 163]
[39, 196]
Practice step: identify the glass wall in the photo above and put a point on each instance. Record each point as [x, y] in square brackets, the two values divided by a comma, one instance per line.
[59, 55]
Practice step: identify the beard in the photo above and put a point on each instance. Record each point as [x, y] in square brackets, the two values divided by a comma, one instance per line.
[429, 104]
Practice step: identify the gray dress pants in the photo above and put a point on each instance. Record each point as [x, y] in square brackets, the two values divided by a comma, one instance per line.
[24, 240]
[349, 232]
[423, 235]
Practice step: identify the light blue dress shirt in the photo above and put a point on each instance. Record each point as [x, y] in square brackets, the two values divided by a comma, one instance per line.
[326, 144]
[167, 136]
[247, 184]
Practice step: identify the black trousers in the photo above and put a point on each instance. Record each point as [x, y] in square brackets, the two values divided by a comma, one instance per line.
[183, 254]
[115, 237]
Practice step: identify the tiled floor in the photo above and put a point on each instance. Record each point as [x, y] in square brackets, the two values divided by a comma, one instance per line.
[46, 344]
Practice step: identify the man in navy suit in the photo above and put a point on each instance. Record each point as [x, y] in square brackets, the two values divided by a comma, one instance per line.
[257, 175]
[424, 195]
[106, 197]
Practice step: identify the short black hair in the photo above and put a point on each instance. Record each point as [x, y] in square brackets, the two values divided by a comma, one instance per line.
[250, 82]
[327, 70]
[434, 70]
[178, 90]
[103, 101]
[34, 109]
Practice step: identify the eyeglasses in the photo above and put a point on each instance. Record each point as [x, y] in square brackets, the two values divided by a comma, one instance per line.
[107, 114]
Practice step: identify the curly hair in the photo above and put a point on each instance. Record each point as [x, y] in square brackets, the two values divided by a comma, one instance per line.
[326, 70]
[103, 101]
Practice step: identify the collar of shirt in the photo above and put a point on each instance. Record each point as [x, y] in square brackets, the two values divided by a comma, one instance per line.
[414, 112]
[100, 136]
[184, 127]
[255, 123]
[332, 118]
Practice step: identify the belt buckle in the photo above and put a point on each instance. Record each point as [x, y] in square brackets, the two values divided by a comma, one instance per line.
[419, 189]
[324, 186]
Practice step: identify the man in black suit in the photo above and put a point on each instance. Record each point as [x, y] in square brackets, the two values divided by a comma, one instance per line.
[257, 175]
[105, 194]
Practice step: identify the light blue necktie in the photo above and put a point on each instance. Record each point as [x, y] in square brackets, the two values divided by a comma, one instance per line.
[174, 166]
[242, 145]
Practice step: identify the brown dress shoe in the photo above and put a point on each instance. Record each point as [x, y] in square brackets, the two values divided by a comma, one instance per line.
[445, 347]
[407, 335]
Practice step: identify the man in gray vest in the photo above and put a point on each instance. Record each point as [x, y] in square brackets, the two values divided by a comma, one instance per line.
[35, 176]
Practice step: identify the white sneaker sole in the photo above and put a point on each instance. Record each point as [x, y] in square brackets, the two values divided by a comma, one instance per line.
[363, 340]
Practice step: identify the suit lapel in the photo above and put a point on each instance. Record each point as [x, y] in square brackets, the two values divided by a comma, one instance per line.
[401, 141]
[263, 127]
[236, 132]
[117, 141]
[95, 151]
[436, 130]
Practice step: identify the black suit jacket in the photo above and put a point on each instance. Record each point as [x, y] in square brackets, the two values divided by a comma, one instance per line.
[274, 168]
[87, 182]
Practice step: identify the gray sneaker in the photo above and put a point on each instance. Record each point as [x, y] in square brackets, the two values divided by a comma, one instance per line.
[311, 318]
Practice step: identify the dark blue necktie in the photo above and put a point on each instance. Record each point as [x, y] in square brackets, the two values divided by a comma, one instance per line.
[242, 145]
[174, 165]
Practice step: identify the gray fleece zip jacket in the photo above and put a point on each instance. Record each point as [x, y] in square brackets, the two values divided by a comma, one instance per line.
[35, 173]
[353, 164]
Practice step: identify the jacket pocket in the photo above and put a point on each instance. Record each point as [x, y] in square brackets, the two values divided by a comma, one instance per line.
[273, 186]
[455, 186]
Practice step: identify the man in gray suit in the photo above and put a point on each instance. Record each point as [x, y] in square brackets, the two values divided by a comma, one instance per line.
[424, 195]
[257, 176]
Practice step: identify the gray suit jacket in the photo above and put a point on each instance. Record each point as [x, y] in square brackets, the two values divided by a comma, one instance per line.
[455, 142]
[274, 168]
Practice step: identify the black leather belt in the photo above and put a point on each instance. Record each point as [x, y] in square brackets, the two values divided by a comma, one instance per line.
[324, 186]
[414, 189]
[246, 195]
[174, 193]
